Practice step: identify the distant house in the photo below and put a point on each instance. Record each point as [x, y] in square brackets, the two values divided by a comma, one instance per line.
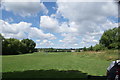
[73, 51]
[81, 50]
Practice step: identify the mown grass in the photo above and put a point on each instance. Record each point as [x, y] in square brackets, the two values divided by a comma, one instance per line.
[90, 63]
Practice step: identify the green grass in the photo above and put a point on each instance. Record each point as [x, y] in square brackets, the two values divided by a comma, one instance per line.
[91, 63]
[57, 65]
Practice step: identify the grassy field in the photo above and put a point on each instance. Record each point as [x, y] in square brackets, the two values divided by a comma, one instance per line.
[71, 65]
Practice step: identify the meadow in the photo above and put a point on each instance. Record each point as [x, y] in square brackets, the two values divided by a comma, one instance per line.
[57, 64]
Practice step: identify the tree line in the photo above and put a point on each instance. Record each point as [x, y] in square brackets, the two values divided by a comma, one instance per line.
[57, 50]
[109, 40]
[14, 46]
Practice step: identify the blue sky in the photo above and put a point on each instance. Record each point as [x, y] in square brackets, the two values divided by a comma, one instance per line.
[58, 24]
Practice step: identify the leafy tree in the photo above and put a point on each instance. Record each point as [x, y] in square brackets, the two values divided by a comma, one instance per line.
[1, 39]
[99, 47]
[29, 45]
[118, 38]
[90, 48]
[11, 46]
[110, 38]
[14, 46]
[84, 49]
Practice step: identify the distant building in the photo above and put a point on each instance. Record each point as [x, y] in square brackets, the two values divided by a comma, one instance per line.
[73, 51]
[81, 50]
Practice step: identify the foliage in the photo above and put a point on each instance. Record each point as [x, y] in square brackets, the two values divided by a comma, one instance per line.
[99, 47]
[11, 46]
[14, 46]
[84, 49]
[29, 45]
[111, 38]
[90, 48]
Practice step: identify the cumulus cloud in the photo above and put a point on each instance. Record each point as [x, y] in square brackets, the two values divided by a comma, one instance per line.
[25, 8]
[87, 21]
[77, 34]
[69, 39]
[23, 30]
[87, 0]
[38, 40]
[46, 43]
[50, 23]
[20, 1]
[39, 34]
[14, 30]
[89, 39]
[83, 17]
[83, 11]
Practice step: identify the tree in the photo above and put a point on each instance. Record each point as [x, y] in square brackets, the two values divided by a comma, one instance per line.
[84, 49]
[99, 47]
[11, 46]
[14, 46]
[1, 39]
[29, 45]
[118, 38]
[110, 38]
[90, 48]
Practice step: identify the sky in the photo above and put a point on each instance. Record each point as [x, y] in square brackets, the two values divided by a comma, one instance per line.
[58, 24]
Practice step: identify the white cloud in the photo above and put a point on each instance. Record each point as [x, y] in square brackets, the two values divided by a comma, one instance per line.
[39, 34]
[83, 11]
[87, 0]
[77, 34]
[25, 8]
[60, 0]
[68, 27]
[69, 39]
[23, 30]
[49, 23]
[67, 30]
[82, 19]
[87, 22]
[76, 44]
[87, 19]
[89, 39]
[108, 25]
[14, 30]
[20, 0]
[47, 43]
[38, 40]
